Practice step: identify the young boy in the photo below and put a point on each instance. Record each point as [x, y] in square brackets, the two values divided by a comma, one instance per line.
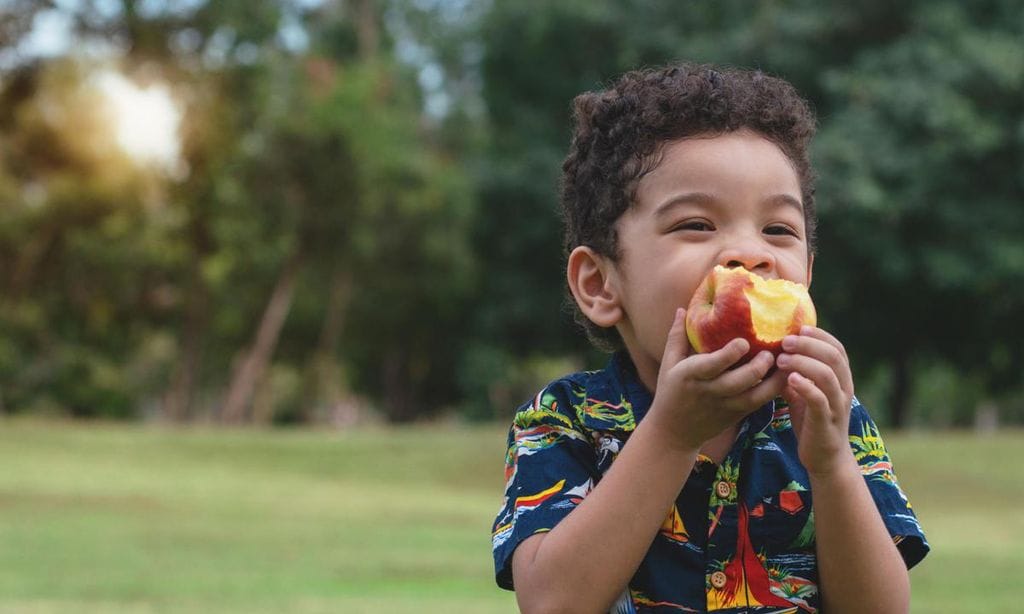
[674, 481]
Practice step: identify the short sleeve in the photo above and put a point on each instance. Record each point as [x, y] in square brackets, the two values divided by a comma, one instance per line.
[892, 503]
[550, 466]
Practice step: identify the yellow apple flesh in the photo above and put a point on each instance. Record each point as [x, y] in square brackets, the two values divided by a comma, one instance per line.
[733, 302]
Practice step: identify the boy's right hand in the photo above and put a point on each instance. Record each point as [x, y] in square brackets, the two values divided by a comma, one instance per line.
[698, 396]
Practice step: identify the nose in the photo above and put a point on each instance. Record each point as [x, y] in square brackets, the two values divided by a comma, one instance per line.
[754, 257]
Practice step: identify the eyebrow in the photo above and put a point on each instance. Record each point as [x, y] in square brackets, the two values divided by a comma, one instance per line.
[703, 198]
[696, 198]
[786, 199]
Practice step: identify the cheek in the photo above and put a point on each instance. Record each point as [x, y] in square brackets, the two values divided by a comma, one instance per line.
[796, 267]
[687, 287]
[669, 298]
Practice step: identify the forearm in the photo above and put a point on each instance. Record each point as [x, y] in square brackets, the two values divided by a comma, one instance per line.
[587, 560]
[861, 569]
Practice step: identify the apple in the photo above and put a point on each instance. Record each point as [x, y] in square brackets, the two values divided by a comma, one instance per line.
[733, 302]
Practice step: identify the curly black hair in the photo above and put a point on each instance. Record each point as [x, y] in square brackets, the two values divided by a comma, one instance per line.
[620, 132]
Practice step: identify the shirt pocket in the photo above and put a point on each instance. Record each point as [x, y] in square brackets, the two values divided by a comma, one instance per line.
[783, 522]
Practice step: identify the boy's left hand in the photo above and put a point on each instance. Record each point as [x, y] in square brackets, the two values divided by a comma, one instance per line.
[819, 390]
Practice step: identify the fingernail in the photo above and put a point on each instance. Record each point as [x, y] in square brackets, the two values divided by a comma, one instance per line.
[782, 360]
[806, 329]
[789, 342]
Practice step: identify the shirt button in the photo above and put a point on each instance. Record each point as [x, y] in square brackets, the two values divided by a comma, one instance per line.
[718, 579]
[723, 490]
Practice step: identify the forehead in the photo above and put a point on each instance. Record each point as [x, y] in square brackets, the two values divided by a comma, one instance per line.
[739, 164]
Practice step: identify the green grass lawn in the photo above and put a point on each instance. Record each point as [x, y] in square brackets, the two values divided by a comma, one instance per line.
[135, 519]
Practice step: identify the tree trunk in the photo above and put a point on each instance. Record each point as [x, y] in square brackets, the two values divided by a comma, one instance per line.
[337, 306]
[899, 393]
[178, 399]
[367, 29]
[35, 251]
[325, 389]
[255, 360]
[398, 397]
[177, 406]
[986, 417]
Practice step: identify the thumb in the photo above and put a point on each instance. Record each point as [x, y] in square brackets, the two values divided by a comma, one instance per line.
[677, 346]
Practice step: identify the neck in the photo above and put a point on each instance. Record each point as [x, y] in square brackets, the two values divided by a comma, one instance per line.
[646, 370]
[718, 447]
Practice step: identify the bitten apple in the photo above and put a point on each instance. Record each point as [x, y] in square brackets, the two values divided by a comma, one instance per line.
[733, 302]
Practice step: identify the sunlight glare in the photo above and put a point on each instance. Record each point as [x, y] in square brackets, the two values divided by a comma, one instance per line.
[146, 121]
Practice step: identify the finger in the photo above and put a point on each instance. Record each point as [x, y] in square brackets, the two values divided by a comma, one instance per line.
[828, 351]
[677, 346]
[711, 365]
[812, 346]
[821, 374]
[768, 389]
[797, 405]
[845, 372]
[824, 335]
[813, 403]
[797, 408]
[735, 381]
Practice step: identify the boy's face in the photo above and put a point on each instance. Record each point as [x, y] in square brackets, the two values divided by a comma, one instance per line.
[733, 200]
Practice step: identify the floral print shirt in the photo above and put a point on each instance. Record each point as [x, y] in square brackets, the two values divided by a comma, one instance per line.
[740, 537]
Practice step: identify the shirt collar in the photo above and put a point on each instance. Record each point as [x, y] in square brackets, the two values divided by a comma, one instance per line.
[624, 374]
[757, 421]
[625, 377]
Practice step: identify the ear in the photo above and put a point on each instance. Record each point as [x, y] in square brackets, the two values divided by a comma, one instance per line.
[591, 279]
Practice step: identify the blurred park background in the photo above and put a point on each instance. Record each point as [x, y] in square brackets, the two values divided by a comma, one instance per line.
[336, 220]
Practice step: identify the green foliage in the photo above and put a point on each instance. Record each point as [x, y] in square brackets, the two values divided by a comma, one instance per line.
[315, 157]
[921, 166]
[537, 58]
[400, 158]
[79, 240]
[494, 380]
[920, 157]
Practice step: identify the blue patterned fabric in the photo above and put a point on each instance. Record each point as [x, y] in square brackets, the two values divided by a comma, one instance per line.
[740, 537]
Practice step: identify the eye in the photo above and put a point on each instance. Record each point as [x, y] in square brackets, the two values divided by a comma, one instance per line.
[780, 230]
[697, 225]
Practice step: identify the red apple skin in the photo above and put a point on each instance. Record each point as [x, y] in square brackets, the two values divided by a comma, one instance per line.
[720, 312]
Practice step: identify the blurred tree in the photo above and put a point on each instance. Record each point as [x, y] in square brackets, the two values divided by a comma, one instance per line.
[538, 56]
[395, 254]
[76, 290]
[921, 161]
[16, 21]
[920, 106]
[210, 52]
[307, 160]
[368, 200]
